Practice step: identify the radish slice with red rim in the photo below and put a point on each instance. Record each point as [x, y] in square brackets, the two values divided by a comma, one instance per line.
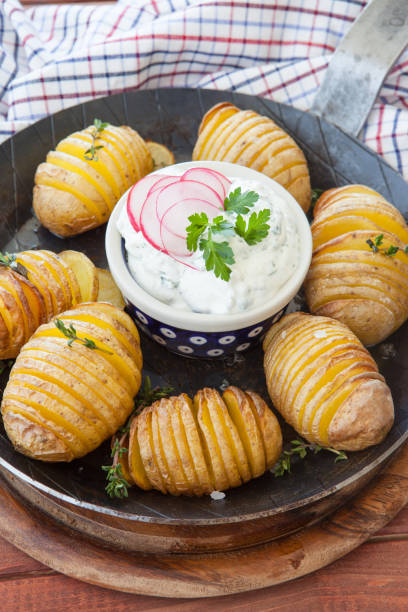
[137, 196]
[175, 221]
[193, 190]
[212, 178]
[149, 221]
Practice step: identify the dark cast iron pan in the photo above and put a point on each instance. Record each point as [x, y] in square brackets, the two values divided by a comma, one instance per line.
[172, 117]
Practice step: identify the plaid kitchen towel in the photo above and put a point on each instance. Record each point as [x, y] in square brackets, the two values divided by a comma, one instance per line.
[53, 57]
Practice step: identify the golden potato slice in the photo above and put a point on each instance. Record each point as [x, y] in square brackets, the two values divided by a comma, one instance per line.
[147, 449]
[40, 266]
[269, 427]
[169, 449]
[182, 448]
[242, 416]
[136, 468]
[161, 155]
[108, 290]
[14, 324]
[196, 445]
[211, 447]
[85, 273]
[224, 441]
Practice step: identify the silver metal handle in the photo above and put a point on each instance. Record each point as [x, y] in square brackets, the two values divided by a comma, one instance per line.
[360, 64]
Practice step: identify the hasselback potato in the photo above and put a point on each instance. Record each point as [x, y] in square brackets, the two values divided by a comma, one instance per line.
[359, 269]
[78, 185]
[325, 383]
[63, 399]
[241, 137]
[39, 285]
[179, 446]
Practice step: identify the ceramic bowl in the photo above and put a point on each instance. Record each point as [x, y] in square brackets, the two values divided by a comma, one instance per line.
[200, 335]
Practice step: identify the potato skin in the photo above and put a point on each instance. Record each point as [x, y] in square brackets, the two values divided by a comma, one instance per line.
[73, 194]
[347, 280]
[186, 447]
[62, 401]
[229, 134]
[325, 383]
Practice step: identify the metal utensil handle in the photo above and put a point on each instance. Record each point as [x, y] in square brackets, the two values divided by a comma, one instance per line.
[360, 64]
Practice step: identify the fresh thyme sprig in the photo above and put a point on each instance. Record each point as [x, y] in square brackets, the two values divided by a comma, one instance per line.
[70, 333]
[9, 260]
[218, 256]
[376, 246]
[117, 485]
[316, 193]
[98, 127]
[300, 448]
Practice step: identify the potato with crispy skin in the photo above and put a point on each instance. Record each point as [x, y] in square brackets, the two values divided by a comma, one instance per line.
[78, 185]
[185, 447]
[325, 383]
[64, 399]
[241, 137]
[359, 269]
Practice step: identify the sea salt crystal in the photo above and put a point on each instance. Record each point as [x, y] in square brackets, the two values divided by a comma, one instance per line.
[217, 495]
[284, 334]
[320, 333]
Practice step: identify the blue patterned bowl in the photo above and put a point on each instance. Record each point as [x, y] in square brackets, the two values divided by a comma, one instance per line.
[208, 336]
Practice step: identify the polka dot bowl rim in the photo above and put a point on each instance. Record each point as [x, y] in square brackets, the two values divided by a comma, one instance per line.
[193, 321]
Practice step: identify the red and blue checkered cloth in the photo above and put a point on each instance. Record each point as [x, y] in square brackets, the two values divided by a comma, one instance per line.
[53, 57]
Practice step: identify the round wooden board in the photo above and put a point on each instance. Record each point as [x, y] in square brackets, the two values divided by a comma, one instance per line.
[181, 575]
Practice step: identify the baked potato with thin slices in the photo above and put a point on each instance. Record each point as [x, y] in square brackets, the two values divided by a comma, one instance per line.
[37, 286]
[354, 276]
[242, 137]
[64, 399]
[325, 383]
[185, 447]
[78, 185]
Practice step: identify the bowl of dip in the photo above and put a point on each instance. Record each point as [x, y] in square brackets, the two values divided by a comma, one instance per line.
[187, 309]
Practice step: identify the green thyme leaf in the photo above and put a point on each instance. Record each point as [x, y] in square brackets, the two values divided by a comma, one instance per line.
[117, 485]
[300, 448]
[376, 244]
[98, 127]
[239, 202]
[9, 261]
[257, 228]
[316, 193]
[70, 333]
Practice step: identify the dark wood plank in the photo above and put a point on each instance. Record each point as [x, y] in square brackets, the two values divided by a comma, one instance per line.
[373, 577]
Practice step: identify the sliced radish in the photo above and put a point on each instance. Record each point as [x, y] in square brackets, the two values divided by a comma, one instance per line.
[175, 220]
[137, 196]
[149, 221]
[182, 190]
[214, 179]
[165, 179]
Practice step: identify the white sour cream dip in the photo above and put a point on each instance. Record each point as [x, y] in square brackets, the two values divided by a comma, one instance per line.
[258, 273]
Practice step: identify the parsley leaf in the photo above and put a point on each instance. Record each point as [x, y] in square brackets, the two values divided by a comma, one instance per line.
[198, 224]
[257, 228]
[239, 202]
[216, 256]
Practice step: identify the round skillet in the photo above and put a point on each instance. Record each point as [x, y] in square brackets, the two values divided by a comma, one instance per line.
[172, 116]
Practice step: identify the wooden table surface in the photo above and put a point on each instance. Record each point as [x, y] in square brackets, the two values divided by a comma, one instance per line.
[372, 577]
